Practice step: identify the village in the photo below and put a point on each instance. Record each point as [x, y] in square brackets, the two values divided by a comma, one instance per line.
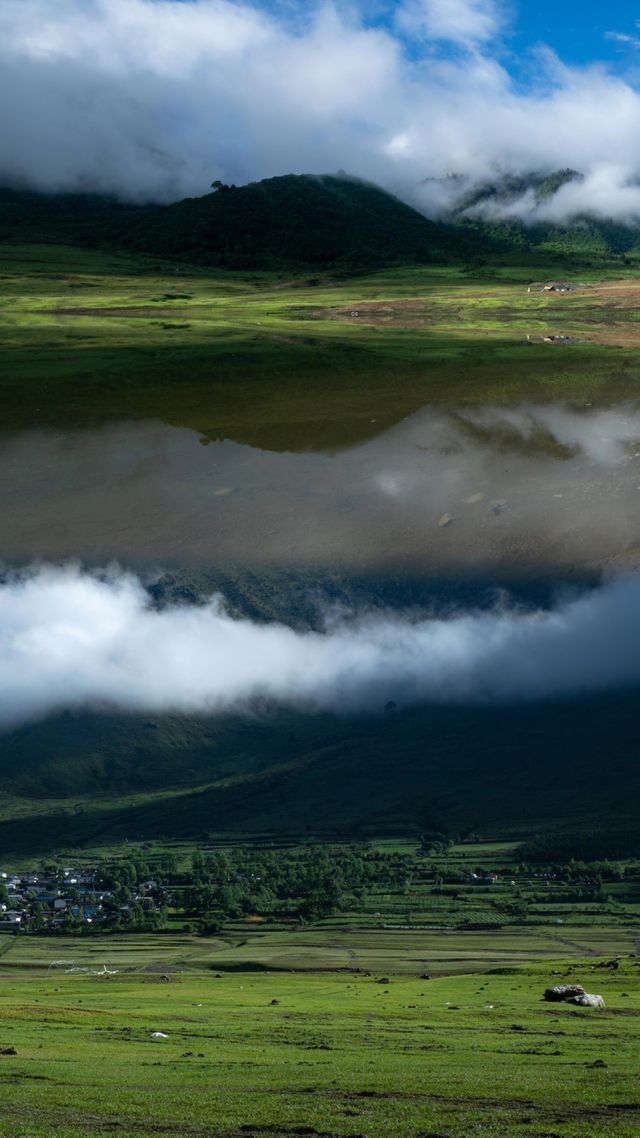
[431, 885]
[72, 898]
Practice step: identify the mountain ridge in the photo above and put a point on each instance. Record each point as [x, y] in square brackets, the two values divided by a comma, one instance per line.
[328, 222]
[298, 221]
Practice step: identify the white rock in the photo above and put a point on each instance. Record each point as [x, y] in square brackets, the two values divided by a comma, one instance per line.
[563, 992]
[587, 1000]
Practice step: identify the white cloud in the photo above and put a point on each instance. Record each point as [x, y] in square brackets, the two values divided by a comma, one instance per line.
[623, 38]
[156, 98]
[71, 640]
[468, 23]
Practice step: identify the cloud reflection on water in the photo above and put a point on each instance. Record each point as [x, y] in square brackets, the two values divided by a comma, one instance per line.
[522, 486]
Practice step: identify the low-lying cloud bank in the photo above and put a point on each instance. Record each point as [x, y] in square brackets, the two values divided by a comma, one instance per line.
[154, 99]
[69, 639]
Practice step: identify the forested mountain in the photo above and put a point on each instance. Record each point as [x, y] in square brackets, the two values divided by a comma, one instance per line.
[298, 219]
[324, 222]
[293, 221]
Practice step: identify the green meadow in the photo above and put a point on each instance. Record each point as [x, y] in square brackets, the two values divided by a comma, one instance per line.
[340, 1028]
[315, 362]
[341, 1053]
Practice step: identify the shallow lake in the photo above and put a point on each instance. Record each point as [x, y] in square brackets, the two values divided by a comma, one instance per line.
[534, 487]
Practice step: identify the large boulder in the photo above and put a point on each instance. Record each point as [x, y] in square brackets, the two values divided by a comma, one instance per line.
[587, 1000]
[561, 992]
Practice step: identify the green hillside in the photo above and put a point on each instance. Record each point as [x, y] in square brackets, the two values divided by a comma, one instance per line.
[294, 221]
[321, 223]
[298, 220]
[91, 779]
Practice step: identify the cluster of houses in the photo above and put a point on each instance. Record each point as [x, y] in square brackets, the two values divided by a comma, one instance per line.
[486, 878]
[40, 900]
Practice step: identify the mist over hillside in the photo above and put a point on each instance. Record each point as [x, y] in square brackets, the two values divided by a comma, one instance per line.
[559, 196]
[400, 721]
[558, 210]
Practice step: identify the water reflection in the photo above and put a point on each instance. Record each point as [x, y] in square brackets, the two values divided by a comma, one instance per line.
[524, 486]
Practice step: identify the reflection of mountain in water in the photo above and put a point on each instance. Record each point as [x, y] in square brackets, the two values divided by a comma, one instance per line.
[322, 434]
[520, 488]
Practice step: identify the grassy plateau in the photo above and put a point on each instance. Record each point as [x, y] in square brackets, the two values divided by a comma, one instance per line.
[307, 1053]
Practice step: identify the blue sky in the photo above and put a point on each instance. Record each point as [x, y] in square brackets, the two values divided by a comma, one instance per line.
[580, 33]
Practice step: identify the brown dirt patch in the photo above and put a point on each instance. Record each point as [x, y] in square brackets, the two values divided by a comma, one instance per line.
[617, 336]
[612, 297]
[618, 288]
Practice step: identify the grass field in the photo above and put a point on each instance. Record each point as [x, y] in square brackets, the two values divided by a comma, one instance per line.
[89, 337]
[337, 1054]
[402, 952]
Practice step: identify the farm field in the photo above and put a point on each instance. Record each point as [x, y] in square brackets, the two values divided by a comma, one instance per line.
[313, 1053]
[365, 908]
[439, 951]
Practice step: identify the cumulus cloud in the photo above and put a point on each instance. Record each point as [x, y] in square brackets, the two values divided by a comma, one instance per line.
[153, 99]
[72, 640]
